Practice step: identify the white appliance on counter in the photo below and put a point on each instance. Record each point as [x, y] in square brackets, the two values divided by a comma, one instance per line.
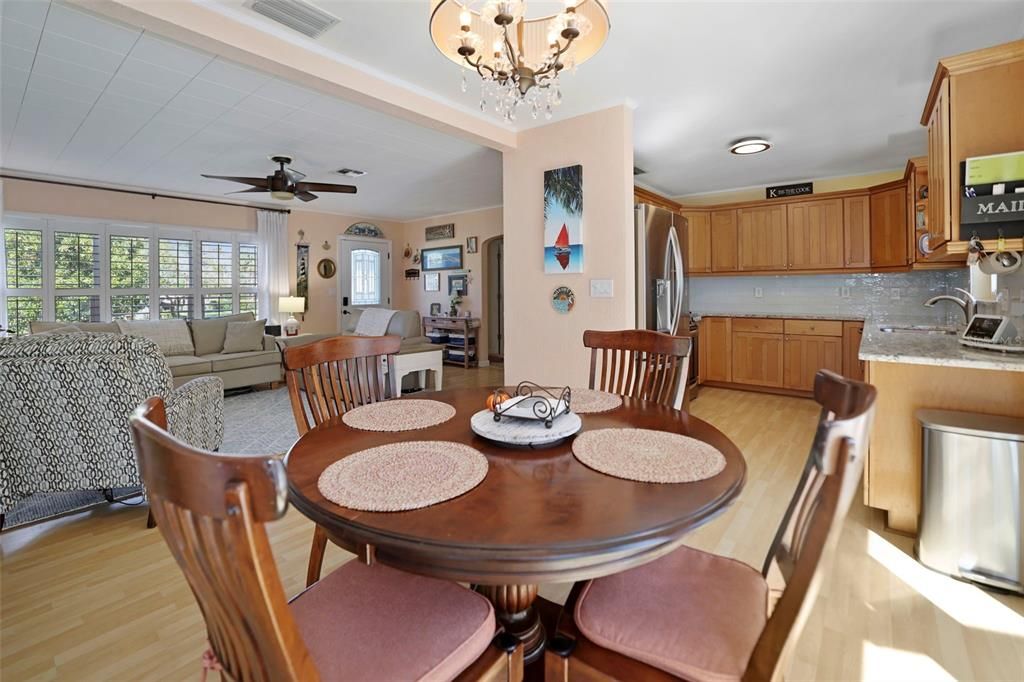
[992, 332]
[662, 295]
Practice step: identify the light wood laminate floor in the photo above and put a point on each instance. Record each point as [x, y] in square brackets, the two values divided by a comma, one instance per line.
[95, 596]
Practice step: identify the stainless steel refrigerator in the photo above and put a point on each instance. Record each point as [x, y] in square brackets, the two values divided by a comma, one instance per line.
[662, 291]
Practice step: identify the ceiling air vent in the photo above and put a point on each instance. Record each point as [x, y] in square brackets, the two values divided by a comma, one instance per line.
[295, 14]
[638, 171]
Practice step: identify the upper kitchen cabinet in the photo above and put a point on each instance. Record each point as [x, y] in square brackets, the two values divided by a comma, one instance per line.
[815, 234]
[857, 231]
[698, 241]
[974, 108]
[889, 237]
[762, 238]
[724, 247]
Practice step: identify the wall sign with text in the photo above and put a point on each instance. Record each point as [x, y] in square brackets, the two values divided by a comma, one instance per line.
[796, 190]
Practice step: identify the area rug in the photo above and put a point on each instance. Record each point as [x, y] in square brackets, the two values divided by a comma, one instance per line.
[255, 423]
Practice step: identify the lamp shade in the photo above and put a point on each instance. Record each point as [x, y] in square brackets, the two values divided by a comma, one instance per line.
[291, 304]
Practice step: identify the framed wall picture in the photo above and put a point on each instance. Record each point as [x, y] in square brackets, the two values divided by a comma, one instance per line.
[458, 285]
[471, 245]
[441, 258]
[435, 309]
[436, 232]
[302, 272]
[431, 281]
[563, 220]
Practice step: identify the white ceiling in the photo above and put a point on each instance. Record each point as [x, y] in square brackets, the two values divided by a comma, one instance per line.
[83, 97]
[838, 86]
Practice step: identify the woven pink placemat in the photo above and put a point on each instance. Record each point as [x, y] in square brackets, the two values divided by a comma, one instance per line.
[403, 476]
[398, 415]
[648, 456]
[589, 401]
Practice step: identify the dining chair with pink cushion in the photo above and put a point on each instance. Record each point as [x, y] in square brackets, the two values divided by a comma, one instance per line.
[358, 623]
[707, 618]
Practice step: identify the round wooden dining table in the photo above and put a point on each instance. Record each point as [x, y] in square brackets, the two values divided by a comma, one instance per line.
[539, 516]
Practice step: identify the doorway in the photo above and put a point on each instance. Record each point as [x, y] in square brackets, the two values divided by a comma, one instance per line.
[495, 259]
[364, 275]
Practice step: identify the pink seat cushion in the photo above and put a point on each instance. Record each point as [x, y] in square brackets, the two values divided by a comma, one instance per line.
[375, 623]
[689, 613]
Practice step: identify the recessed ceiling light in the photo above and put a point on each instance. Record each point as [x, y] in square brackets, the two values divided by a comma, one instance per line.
[350, 172]
[750, 145]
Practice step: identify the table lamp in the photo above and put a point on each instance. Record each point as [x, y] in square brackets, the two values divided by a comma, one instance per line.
[291, 305]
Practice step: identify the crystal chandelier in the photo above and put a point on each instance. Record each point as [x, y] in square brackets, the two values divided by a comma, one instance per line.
[522, 65]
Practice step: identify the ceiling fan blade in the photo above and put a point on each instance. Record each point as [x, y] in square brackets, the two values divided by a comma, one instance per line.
[304, 195]
[251, 189]
[255, 182]
[324, 187]
[293, 175]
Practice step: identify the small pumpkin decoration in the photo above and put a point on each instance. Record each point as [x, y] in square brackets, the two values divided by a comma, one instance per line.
[497, 398]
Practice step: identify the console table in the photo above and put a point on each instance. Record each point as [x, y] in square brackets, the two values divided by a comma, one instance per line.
[468, 327]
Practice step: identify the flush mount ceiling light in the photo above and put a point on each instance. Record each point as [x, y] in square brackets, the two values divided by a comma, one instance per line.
[750, 145]
[350, 172]
[519, 58]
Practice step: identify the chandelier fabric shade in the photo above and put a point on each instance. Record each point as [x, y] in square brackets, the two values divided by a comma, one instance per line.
[519, 57]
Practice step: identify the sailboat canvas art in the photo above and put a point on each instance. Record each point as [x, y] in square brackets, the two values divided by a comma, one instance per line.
[563, 220]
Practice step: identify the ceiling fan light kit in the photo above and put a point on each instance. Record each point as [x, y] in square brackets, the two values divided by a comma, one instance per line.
[285, 184]
[519, 59]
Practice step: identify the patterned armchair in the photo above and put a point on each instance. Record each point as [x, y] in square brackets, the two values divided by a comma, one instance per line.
[64, 406]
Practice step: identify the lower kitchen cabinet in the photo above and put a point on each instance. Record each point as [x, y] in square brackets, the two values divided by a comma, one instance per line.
[777, 353]
[757, 358]
[805, 355]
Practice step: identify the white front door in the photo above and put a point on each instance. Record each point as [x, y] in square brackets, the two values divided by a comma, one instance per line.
[364, 274]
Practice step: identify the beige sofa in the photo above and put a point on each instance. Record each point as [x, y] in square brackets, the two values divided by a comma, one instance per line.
[236, 370]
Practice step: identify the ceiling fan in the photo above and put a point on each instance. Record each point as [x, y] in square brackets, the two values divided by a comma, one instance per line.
[285, 184]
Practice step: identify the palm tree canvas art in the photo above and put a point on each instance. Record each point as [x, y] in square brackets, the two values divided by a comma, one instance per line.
[563, 220]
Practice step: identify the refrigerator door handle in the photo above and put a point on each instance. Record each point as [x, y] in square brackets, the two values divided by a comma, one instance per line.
[675, 253]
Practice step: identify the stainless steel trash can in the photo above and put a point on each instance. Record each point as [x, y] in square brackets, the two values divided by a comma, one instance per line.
[971, 505]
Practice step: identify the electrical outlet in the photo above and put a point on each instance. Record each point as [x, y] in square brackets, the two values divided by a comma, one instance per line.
[1004, 301]
[602, 288]
[894, 293]
[844, 292]
[758, 292]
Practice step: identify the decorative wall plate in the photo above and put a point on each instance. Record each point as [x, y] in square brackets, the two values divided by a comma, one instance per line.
[563, 299]
[326, 268]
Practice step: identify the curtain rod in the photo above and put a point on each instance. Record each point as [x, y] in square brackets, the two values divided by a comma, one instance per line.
[152, 195]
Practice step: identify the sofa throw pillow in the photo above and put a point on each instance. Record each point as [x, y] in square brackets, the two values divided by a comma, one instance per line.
[208, 335]
[171, 335]
[57, 331]
[242, 337]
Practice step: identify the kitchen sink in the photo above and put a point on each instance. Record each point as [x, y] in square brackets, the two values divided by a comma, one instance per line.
[918, 329]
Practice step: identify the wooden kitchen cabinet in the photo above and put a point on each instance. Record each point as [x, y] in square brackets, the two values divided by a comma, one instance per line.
[698, 241]
[723, 241]
[857, 231]
[762, 238]
[853, 368]
[889, 226]
[815, 234]
[715, 349]
[757, 358]
[805, 355]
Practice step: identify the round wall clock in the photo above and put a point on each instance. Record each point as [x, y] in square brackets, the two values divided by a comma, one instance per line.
[563, 299]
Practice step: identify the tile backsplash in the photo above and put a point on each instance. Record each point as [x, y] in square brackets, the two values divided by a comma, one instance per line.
[876, 296]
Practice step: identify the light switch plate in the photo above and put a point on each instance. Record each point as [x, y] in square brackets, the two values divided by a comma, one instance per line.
[844, 292]
[758, 292]
[602, 288]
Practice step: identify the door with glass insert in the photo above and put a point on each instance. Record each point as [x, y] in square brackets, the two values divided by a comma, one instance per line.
[364, 274]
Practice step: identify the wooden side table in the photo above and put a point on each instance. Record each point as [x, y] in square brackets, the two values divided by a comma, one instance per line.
[468, 327]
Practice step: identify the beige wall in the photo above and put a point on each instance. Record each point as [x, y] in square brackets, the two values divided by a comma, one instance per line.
[25, 196]
[409, 294]
[821, 185]
[540, 344]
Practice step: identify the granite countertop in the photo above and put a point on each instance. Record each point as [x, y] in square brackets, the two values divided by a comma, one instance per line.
[940, 350]
[779, 316]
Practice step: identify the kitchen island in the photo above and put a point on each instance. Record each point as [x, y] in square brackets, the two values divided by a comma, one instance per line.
[925, 368]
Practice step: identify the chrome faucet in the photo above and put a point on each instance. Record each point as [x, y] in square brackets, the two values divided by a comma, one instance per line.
[968, 305]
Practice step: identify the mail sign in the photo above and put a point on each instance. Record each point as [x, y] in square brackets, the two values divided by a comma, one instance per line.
[780, 191]
[992, 209]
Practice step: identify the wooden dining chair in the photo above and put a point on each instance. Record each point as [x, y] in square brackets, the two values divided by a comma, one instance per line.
[360, 622]
[326, 379]
[704, 617]
[639, 363]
